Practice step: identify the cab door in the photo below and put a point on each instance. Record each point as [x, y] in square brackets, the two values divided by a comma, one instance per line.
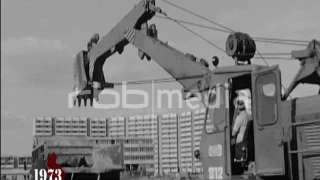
[214, 142]
[269, 152]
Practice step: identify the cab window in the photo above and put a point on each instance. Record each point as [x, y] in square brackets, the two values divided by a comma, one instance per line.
[267, 99]
[214, 100]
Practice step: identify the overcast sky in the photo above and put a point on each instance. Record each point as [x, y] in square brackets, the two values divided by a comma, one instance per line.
[39, 39]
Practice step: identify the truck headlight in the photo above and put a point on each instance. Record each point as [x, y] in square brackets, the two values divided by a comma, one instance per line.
[215, 150]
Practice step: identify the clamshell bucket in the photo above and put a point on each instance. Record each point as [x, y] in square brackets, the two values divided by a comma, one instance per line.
[82, 85]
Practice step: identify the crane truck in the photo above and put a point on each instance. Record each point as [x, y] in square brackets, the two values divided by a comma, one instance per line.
[284, 136]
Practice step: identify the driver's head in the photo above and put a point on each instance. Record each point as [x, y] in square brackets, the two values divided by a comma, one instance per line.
[244, 93]
[240, 105]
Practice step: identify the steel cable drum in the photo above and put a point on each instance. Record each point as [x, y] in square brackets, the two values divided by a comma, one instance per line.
[240, 45]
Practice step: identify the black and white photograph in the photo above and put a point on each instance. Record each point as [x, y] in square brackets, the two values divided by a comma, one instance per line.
[160, 90]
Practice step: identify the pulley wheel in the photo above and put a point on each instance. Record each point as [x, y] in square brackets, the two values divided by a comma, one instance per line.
[231, 45]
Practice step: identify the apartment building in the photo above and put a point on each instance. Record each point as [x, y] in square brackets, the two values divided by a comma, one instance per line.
[138, 152]
[198, 122]
[117, 127]
[142, 126]
[174, 137]
[191, 124]
[186, 139]
[22, 160]
[168, 143]
[43, 126]
[15, 162]
[98, 127]
[70, 126]
[7, 162]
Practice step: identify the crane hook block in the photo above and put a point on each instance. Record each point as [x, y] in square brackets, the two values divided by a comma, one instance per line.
[241, 46]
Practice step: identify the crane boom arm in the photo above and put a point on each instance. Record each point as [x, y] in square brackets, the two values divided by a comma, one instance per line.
[133, 28]
[176, 63]
[114, 41]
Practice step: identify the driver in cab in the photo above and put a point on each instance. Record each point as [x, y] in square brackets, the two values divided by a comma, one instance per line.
[244, 116]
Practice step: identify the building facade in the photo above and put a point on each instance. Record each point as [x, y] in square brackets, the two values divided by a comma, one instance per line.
[117, 127]
[15, 162]
[173, 137]
[138, 152]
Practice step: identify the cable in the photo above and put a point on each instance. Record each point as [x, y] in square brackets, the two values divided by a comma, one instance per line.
[257, 39]
[179, 23]
[276, 53]
[267, 54]
[269, 66]
[262, 57]
[216, 46]
[278, 39]
[209, 27]
[221, 48]
[181, 8]
[279, 42]
[194, 24]
[163, 80]
[284, 58]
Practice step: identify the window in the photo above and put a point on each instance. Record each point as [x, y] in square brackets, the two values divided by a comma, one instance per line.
[267, 99]
[269, 90]
[214, 99]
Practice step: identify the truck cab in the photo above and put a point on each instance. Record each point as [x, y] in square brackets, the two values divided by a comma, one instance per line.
[263, 154]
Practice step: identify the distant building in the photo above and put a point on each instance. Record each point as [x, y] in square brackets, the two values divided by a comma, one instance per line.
[174, 137]
[117, 127]
[68, 126]
[15, 162]
[22, 160]
[186, 139]
[138, 152]
[198, 122]
[96, 127]
[168, 143]
[43, 126]
[7, 162]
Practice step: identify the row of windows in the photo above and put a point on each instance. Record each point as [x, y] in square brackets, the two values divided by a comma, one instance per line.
[40, 121]
[121, 119]
[41, 131]
[69, 132]
[150, 157]
[103, 122]
[71, 122]
[126, 141]
[142, 130]
[98, 131]
[166, 123]
[70, 126]
[141, 149]
[43, 126]
[153, 126]
[98, 127]
[98, 122]
[169, 139]
[135, 141]
[143, 120]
